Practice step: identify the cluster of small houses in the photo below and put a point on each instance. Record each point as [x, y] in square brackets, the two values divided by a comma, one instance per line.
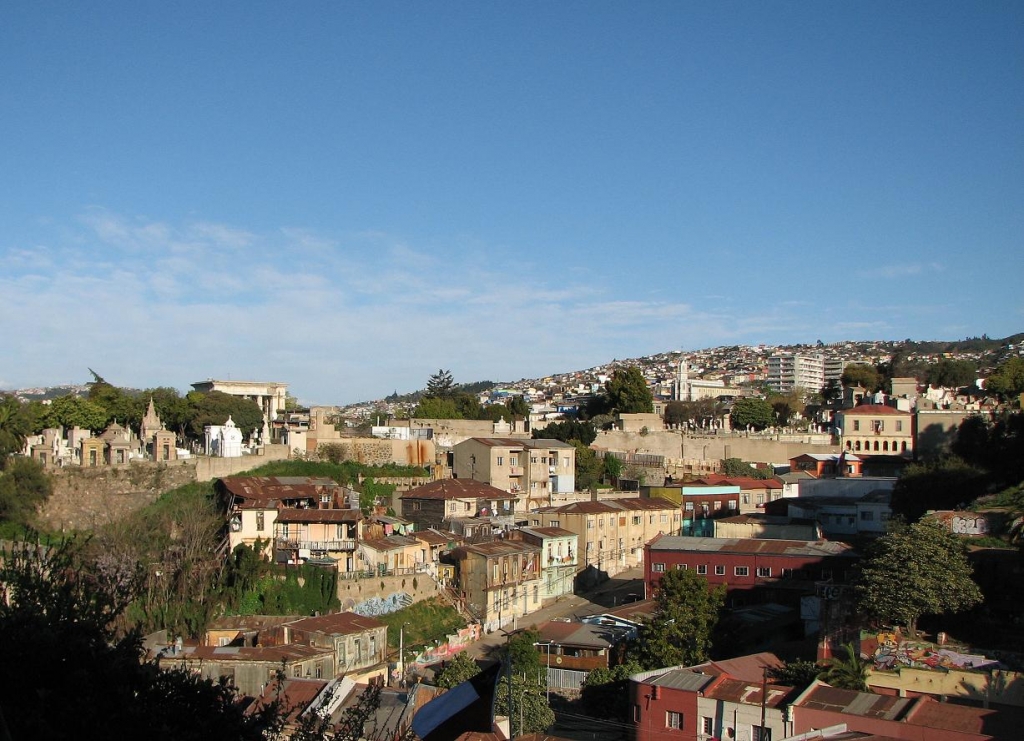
[501, 532]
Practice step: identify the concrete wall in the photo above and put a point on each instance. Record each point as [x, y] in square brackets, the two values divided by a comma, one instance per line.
[375, 451]
[357, 594]
[208, 469]
[675, 445]
[84, 498]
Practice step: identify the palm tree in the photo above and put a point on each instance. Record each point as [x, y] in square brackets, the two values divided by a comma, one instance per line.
[849, 673]
[13, 427]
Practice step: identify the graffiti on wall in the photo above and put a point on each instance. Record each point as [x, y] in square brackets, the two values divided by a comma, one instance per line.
[890, 653]
[380, 605]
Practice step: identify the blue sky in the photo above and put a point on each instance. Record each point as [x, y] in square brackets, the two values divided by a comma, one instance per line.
[349, 196]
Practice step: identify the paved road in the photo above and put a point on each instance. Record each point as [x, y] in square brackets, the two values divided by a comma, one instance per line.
[609, 594]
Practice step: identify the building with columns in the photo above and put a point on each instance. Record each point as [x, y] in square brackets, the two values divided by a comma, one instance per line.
[268, 394]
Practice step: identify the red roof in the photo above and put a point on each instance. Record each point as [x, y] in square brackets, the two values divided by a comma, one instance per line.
[337, 623]
[456, 489]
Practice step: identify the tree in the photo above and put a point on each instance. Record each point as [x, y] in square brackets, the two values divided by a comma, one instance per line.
[795, 673]
[739, 467]
[680, 630]
[24, 486]
[588, 467]
[786, 406]
[458, 669]
[605, 692]
[528, 699]
[74, 411]
[77, 671]
[755, 413]
[627, 392]
[1008, 379]
[433, 407]
[215, 407]
[949, 373]
[944, 483]
[915, 570]
[848, 672]
[567, 432]
[862, 374]
[612, 468]
[440, 385]
[15, 427]
[699, 413]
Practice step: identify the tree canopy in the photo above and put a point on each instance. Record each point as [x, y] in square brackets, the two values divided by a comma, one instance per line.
[681, 628]
[915, 570]
[567, 431]
[698, 413]
[949, 373]
[1008, 379]
[440, 385]
[76, 671]
[755, 413]
[862, 374]
[74, 411]
[627, 392]
[739, 467]
[215, 407]
[15, 426]
[458, 669]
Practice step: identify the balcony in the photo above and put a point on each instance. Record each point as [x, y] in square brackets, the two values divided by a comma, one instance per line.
[515, 471]
[317, 545]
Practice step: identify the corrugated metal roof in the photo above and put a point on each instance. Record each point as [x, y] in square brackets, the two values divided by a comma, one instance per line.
[753, 545]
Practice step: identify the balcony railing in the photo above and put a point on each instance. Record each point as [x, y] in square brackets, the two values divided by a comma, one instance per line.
[317, 545]
[515, 471]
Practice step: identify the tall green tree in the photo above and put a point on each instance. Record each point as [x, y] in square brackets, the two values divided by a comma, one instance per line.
[943, 483]
[215, 407]
[74, 411]
[15, 426]
[605, 692]
[434, 407]
[681, 628]
[441, 385]
[755, 413]
[862, 374]
[567, 431]
[915, 570]
[1008, 379]
[949, 373]
[627, 392]
[588, 467]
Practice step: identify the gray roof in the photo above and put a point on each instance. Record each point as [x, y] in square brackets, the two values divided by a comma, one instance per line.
[683, 679]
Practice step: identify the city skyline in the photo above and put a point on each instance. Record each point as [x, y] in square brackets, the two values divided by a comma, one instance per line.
[348, 198]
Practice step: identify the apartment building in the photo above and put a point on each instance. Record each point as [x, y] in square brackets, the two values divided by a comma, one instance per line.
[500, 581]
[612, 533]
[532, 469]
[440, 502]
[559, 560]
[788, 371]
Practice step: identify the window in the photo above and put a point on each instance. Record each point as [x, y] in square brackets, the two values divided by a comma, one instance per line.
[565, 461]
[764, 571]
[339, 531]
[451, 507]
[702, 568]
[867, 516]
[674, 720]
[664, 518]
[533, 459]
[534, 523]
[659, 567]
[636, 713]
[590, 524]
[899, 425]
[497, 601]
[501, 460]
[556, 523]
[689, 506]
[745, 498]
[600, 524]
[718, 504]
[707, 726]
[732, 504]
[259, 522]
[636, 519]
[680, 567]
[741, 571]
[760, 498]
[513, 460]
[856, 425]
[719, 571]
[756, 734]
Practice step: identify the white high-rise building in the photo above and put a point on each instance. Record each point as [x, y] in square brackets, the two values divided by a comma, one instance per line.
[788, 370]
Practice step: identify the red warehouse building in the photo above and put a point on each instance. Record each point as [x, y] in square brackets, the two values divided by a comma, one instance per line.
[747, 563]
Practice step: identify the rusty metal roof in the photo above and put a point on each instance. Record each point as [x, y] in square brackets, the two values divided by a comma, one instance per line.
[762, 546]
[456, 489]
[337, 623]
[294, 514]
